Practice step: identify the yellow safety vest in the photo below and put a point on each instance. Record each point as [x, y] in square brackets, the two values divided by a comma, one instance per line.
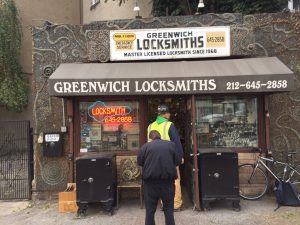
[162, 128]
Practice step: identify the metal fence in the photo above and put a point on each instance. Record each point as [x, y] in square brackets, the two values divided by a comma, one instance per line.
[16, 156]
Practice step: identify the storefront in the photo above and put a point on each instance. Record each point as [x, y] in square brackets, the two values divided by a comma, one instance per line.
[103, 82]
[214, 103]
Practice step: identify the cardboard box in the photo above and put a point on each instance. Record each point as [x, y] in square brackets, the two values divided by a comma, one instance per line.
[71, 187]
[67, 201]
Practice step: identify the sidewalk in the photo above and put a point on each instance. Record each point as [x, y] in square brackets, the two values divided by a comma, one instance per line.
[129, 213]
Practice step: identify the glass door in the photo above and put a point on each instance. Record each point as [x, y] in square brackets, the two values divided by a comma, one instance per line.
[181, 115]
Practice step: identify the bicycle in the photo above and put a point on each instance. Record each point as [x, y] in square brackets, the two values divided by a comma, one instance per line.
[254, 181]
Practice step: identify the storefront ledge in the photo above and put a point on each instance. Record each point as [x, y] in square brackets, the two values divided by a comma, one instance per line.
[44, 195]
[117, 153]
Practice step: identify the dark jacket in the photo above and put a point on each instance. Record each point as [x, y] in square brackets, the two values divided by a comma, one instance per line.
[174, 137]
[159, 159]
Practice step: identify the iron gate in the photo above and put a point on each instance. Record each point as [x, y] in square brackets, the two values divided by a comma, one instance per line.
[15, 160]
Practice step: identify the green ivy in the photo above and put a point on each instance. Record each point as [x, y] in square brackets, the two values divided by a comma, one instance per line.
[189, 7]
[13, 86]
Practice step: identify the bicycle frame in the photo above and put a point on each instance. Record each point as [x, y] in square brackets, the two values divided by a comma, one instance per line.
[292, 173]
[259, 176]
[259, 161]
[287, 167]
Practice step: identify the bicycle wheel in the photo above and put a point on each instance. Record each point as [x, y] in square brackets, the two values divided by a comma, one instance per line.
[253, 183]
[295, 177]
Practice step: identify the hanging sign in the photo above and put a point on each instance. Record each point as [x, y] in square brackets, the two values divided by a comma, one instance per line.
[171, 43]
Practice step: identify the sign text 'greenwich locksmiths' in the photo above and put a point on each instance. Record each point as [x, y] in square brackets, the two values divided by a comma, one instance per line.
[230, 84]
[191, 42]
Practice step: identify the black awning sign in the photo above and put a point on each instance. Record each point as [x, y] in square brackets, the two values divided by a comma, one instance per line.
[217, 84]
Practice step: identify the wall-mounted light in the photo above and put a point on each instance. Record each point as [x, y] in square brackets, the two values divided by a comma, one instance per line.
[94, 3]
[137, 9]
[200, 5]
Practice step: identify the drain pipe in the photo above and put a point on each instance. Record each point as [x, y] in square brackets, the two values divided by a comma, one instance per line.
[70, 115]
[63, 114]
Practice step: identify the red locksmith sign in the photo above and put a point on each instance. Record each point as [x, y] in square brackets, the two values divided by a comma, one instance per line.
[102, 113]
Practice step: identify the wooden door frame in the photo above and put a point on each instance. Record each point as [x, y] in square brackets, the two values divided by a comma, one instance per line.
[195, 155]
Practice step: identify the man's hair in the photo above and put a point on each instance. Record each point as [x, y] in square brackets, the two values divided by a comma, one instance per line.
[154, 134]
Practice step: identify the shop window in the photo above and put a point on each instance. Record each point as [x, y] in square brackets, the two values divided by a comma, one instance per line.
[109, 126]
[226, 122]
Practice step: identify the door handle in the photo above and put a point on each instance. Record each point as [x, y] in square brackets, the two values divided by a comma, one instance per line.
[192, 154]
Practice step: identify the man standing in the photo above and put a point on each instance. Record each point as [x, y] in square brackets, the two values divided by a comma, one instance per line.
[159, 159]
[169, 132]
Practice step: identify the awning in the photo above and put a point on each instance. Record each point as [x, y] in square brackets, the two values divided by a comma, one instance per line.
[178, 77]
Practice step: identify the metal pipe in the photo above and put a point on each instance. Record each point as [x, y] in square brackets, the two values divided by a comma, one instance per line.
[63, 112]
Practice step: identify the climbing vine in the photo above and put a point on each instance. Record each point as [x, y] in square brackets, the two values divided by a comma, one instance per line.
[189, 7]
[13, 85]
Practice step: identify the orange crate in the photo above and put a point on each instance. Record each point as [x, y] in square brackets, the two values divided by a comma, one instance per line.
[67, 201]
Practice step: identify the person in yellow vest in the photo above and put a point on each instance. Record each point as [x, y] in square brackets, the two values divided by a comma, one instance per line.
[169, 132]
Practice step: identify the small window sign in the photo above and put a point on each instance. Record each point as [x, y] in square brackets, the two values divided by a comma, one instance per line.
[52, 137]
[83, 150]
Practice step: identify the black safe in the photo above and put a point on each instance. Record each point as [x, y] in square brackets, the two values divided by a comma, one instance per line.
[95, 181]
[219, 178]
[53, 144]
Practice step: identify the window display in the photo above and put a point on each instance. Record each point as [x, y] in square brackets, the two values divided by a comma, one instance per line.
[109, 126]
[226, 122]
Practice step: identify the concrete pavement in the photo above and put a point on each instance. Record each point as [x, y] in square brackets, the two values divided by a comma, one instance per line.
[129, 213]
